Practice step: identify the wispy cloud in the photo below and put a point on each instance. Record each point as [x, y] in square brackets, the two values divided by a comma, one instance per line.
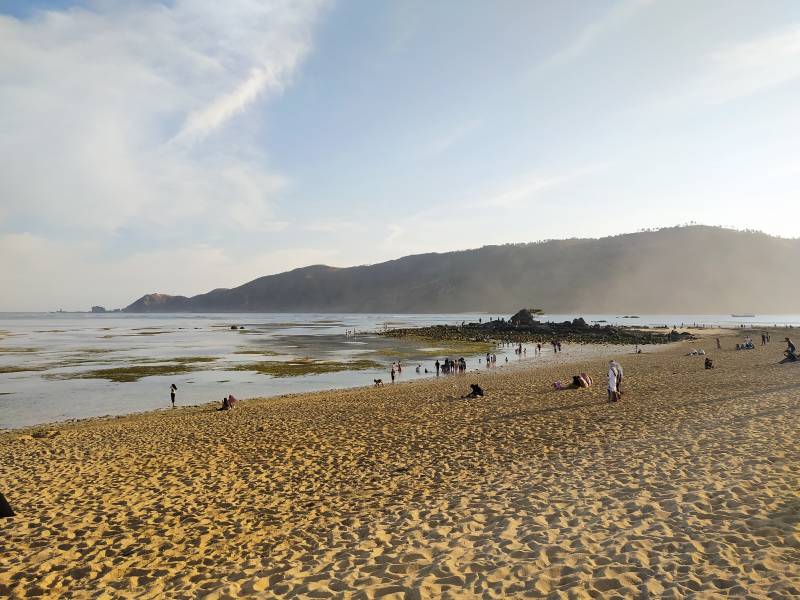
[458, 223]
[330, 226]
[91, 100]
[594, 32]
[528, 190]
[446, 140]
[743, 68]
[734, 71]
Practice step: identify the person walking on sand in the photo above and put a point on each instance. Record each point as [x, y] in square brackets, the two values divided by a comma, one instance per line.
[172, 389]
[620, 373]
[613, 394]
[719, 346]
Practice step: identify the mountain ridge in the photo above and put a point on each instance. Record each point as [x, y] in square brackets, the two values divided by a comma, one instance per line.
[694, 269]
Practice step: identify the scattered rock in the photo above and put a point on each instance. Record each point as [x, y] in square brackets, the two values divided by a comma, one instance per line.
[39, 435]
[522, 327]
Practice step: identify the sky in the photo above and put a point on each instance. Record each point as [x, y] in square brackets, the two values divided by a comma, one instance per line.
[180, 146]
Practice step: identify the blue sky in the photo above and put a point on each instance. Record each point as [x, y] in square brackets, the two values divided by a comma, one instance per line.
[181, 146]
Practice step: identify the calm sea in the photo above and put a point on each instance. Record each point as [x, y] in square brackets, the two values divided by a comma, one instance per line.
[40, 352]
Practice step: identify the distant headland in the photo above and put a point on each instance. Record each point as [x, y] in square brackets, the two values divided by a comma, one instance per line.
[694, 269]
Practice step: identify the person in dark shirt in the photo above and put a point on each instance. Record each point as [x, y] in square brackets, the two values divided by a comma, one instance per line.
[791, 350]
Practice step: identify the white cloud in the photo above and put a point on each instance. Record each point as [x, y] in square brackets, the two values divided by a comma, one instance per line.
[746, 67]
[330, 226]
[75, 275]
[106, 113]
[737, 70]
[522, 193]
[442, 143]
[594, 32]
[498, 215]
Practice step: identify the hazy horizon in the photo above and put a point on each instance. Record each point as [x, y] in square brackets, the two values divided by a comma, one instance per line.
[182, 146]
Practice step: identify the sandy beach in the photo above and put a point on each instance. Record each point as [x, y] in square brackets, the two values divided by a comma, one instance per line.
[690, 486]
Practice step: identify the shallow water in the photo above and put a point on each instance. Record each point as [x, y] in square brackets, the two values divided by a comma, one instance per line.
[55, 345]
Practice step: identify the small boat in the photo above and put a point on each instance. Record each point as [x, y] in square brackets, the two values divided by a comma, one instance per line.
[743, 316]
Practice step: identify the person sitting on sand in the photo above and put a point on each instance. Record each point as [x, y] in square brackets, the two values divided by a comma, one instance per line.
[476, 391]
[581, 381]
[791, 350]
[225, 404]
[709, 363]
[231, 401]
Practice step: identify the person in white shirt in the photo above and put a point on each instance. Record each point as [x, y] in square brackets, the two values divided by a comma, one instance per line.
[613, 393]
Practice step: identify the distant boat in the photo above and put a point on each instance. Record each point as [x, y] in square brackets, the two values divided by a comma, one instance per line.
[743, 315]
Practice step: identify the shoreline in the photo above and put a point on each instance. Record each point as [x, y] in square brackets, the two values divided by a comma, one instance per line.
[596, 350]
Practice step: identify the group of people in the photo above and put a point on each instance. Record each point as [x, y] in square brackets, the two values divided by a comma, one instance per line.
[228, 402]
[747, 344]
[450, 366]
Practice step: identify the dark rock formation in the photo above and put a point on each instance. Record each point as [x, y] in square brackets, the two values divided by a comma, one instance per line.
[575, 331]
[5, 508]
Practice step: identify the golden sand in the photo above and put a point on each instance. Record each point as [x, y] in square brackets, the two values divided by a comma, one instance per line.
[688, 487]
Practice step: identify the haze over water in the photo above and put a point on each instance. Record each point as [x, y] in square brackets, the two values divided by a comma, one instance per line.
[56, 345]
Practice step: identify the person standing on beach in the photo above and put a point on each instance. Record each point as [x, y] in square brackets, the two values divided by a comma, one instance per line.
[172, 389]
[719, 346]
[438, 366]
[392, 373]
[618, 369]
[612, 382]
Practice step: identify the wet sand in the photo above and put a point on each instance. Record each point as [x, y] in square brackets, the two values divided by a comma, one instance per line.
[689, 486]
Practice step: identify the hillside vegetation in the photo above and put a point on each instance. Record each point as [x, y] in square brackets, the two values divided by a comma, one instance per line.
[695, 269]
